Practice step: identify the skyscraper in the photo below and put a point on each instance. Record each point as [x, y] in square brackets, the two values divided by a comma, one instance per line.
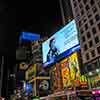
[87, 16]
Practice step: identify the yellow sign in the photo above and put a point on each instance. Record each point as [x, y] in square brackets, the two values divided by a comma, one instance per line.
[31, 72]
[70, 70]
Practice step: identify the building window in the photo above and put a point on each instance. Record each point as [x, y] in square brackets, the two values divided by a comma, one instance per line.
[88, 35]
[99, 4]
[97, 17]
[82, 12]
[87, 7]
[97, 39]
[94, 30]
[85, 47]
[86, 26]
[94, 10]
[93, 53]
[80, 23]
[98, 50]
[92, 2]
[84, 19]
[81, 6]
[89, 15]
[99, 26]
[83, 39]
[90, 43]
[81, 31]
[79, 0]
[91, 22]
[87, 56]
[84, 1]
[75, 4]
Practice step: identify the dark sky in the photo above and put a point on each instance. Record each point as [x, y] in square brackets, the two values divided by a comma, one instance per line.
[38, 16]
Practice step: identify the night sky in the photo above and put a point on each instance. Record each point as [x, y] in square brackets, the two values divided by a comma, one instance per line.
[38, 16]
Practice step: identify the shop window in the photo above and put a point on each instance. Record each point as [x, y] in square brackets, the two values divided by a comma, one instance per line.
[87, 56]
[83, 39]
[84, 1]
[92, 2]
[87, 7]
[93, 53]
[94, 9]
[94, 30]
[97, 39]
[88, 35]
[99, 26]
[86, 26]
[98, 50]
[85, 47]
[91, 22]
[97, 17]
[90, 43]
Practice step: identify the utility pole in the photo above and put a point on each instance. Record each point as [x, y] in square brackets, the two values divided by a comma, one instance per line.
[62, 13]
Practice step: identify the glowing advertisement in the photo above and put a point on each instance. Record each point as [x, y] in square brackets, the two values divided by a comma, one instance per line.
[31, 72]
[70, 70]
[61, 44]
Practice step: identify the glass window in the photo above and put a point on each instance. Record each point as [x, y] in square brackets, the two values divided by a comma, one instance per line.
[97, 17]
[85, 19]
[85, 47]
[83, 39]
[87, 7]
[92, 2]
[93, 53]
[88, 35]
[89, 15]
[81, 31]
[94, 9]
[87, 56]
[91, 22]
[99, 26]
[97, 39]
[90, 43]
[98, 50]
[86, 26]
[94, 30]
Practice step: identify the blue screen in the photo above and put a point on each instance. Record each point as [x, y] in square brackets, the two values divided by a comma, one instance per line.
[61, 44]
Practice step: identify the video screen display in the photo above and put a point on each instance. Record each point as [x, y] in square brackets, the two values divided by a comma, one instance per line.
[61, 44]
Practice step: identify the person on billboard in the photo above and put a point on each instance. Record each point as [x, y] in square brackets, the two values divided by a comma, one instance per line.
[53, 51]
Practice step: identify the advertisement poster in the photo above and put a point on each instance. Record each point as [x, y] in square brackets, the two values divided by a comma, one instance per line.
[70, 70]
[31, 72]
[67, 37]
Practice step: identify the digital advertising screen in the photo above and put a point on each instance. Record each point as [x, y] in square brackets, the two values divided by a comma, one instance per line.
[70, 70]
[61, 44]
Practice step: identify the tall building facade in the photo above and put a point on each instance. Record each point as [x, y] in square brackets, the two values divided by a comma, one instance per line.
[87, 16]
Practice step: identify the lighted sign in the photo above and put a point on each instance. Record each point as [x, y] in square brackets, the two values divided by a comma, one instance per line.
[29, 36]
[70, 70]
[31, 72]
[61, 44]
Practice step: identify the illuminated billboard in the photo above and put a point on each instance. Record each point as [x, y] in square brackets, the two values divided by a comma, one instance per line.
[70, 70]
[30, 72]
[61, 44]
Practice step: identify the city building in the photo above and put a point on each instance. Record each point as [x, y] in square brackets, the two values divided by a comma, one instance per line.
[87, 16]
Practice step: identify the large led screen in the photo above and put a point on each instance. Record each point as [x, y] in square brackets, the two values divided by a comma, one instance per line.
[61, 44]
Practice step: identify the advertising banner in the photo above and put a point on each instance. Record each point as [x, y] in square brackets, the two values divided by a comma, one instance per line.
[70, 70]
[31, 72]
[61, 44]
